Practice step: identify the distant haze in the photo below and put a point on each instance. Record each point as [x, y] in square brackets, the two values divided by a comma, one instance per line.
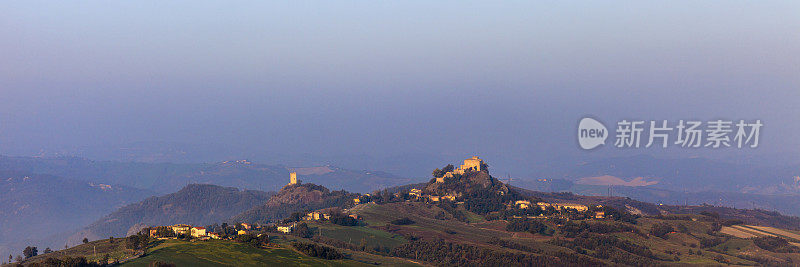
[365, 83]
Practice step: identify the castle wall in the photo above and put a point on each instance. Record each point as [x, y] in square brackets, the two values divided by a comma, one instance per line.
[473, 163]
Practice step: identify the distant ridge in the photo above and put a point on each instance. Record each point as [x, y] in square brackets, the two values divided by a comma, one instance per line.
[34, 207]
[195, 204]
[169, 177]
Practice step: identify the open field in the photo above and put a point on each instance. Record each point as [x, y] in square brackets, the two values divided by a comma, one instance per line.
[358, 235]
[736, 232]
[775, 231]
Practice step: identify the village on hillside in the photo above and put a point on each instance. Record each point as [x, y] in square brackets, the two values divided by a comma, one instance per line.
[522, 208]
[460, 211]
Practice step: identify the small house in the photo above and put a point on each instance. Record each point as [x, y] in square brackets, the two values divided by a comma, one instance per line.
[198, 232]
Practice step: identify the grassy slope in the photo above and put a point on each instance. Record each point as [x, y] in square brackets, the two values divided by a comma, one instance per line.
[675, 245]
[226, 253]
[357, 234]
[217, 253]
[379, 232]
[93, 251]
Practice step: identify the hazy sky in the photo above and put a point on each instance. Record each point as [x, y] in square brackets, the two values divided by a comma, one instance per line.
[284, 80]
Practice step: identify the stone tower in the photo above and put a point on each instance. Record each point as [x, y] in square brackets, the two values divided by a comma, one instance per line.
[471, 164]
[292, 178]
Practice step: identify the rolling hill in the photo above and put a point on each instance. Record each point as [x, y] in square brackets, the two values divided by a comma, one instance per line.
[295, 198]
[35, 206]
[195, 204]
[169, 177]
[426, 237]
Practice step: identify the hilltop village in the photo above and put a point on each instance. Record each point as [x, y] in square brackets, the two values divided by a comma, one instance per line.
[450, 186]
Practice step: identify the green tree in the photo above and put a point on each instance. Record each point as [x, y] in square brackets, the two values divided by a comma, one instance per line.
[440, 172]
[30, 252]
[448, 168]
[661, 230]
[437, 173]
[161, 264]
[48, 250]
[85, 240]
[302, 230]
[137, 242]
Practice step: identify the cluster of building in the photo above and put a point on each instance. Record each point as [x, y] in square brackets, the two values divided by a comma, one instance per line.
[311, 216]
[434, 198]
[185, 230]
[525, 204]
[471, 164]
[195, 231]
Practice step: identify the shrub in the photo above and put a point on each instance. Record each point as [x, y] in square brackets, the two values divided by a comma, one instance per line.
[343, 220]
[732, 222]
[303, 231]
[532, 226]
[710, 242]
[161, 264]
[661, 230]
[403, 221]
[775, 244]
[319, 251]
[253, 240]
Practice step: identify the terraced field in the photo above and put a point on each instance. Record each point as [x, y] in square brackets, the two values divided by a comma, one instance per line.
[734, 231]
[749, 231]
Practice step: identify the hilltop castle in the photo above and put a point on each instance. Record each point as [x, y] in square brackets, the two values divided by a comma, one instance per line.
[292, 178]
[471, 164]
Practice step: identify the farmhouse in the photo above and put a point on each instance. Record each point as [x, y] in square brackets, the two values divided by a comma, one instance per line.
[285, 228]
[522, 204]
[415, 192]
[599, 214]
[181, 229]
[316, 216]
[577, 207]
[198, 232]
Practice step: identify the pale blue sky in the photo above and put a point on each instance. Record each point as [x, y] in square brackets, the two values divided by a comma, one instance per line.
[505, 79]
